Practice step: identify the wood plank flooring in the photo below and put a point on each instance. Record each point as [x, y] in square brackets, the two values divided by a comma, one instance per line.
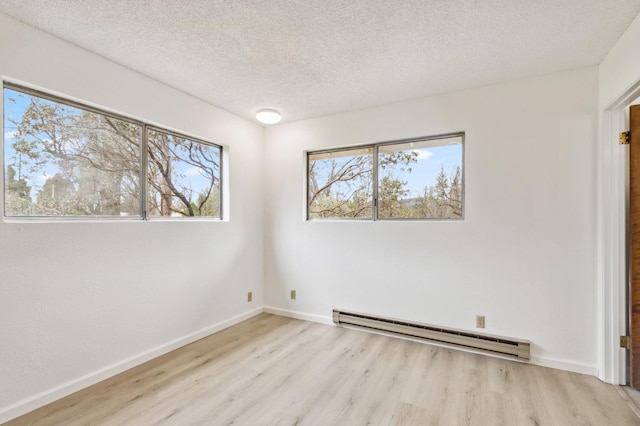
[272, 370]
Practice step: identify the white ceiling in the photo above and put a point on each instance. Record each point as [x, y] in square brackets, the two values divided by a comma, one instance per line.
[310, 58]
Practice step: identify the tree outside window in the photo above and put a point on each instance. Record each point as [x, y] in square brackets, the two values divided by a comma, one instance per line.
[63, 160]
[417, 179]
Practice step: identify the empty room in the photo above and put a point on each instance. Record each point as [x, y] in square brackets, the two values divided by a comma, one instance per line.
[377, 212]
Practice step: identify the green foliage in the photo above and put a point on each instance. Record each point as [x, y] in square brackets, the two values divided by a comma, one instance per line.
[391, 193]
[18, 194]
[444, 199]
[208, 204]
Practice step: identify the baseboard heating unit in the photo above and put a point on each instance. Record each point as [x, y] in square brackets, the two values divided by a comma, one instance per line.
[504, 346]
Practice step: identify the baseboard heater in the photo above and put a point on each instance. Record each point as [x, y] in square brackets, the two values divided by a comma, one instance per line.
[504, 346]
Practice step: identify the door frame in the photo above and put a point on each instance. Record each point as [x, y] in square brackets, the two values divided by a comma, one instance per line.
[613, 244]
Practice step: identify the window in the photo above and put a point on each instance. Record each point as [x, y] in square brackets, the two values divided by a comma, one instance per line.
[184, 176]
[63, 159]
[410, 179]
[340, 184]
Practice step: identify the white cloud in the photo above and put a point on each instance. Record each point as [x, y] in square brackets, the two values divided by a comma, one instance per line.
[193, 171]
[423, 154]
[10, 134]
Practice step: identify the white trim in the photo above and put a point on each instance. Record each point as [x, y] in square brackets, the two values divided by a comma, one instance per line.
[612, 248]
[299, 315]
[36, 401]
[560, 364]
[626, 98]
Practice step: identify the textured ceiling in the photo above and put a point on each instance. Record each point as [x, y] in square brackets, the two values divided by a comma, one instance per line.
[310, 58]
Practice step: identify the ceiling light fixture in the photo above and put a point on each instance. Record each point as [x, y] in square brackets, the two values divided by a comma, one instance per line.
[268, 116]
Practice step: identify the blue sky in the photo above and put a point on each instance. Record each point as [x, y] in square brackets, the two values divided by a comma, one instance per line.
[425, 171]
[15, 104]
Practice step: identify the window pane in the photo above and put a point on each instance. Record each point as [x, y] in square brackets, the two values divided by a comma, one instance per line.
[184, 176]
[61, 160]
[341, 184]
[420, 180]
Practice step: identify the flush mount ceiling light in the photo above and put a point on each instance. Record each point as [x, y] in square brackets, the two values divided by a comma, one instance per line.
[268, 116]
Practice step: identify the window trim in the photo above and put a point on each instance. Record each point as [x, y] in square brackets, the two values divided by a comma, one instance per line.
[375, 200]
[144, 163]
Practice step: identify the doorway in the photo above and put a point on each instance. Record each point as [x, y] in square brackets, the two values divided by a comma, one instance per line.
[613, 247]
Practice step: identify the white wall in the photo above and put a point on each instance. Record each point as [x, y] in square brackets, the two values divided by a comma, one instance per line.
[81, 301]
[525, 254]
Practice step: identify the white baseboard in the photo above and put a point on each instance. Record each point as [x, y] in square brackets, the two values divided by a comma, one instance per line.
[535, 360]
[558, 364]
[299, 315]
[36, 401]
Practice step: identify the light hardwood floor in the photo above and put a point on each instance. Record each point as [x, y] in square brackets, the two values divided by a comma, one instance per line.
[272, 370]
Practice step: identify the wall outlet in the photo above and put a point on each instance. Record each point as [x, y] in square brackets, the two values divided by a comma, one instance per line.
[249, 296]
[479, 321]
[293, 294]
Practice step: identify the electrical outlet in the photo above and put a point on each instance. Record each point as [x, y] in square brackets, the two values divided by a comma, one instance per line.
[479, 321]
[293, 294]
[249, 296]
